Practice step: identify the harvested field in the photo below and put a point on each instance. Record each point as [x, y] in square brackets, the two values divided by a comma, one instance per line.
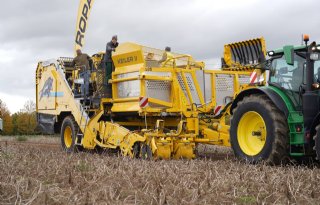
[37, 175]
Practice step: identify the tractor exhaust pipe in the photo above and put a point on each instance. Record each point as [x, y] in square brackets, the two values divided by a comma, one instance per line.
[309, 66]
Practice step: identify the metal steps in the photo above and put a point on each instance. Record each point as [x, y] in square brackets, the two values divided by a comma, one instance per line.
[84, 119]
[297, 147]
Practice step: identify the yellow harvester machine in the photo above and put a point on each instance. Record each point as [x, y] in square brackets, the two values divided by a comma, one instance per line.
[157, 110]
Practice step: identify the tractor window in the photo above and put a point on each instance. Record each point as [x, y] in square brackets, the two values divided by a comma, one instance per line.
[317, 71]
[289, 77]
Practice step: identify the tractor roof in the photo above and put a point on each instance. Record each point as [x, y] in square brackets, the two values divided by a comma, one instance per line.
[281, 50]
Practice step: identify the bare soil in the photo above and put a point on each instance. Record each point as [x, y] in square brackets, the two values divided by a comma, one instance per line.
[43, 175]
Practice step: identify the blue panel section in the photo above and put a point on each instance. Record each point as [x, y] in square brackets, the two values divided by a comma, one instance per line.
[56, 94]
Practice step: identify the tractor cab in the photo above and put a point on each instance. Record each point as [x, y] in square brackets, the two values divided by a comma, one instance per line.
[288, 72]
[295, 70]
[289, 77]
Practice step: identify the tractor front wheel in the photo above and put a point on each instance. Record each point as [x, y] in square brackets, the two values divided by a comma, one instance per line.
[258, 131]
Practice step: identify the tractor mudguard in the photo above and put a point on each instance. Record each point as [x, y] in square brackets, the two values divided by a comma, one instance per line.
[273, 96]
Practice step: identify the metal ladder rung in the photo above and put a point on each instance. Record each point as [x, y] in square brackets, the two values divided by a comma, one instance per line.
[83, 109]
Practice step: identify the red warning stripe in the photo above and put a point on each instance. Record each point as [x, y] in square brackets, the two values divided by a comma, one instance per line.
[143, 102]
[253, 77]
[217, 109]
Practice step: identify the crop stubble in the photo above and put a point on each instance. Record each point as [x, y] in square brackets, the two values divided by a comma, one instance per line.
[38, 175]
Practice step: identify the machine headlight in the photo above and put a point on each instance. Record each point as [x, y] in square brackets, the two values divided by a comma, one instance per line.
[270, 53]
[315, 56]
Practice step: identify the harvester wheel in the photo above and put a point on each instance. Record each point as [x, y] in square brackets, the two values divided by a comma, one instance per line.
[69, 130]
[136, 150]
[258, 131]
[146, 152]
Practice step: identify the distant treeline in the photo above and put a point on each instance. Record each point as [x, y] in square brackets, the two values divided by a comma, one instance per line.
[21, 123]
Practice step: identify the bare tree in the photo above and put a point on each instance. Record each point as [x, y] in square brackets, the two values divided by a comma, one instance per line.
[29, 107]
[3, 109]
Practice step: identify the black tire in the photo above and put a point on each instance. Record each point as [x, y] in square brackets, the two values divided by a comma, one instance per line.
[317, 142]
[146, 152]
[69, 124]
[136, 150]
[275, 149]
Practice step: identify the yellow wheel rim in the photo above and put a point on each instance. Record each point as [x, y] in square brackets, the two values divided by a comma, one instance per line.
[251, 133]
[68, 136]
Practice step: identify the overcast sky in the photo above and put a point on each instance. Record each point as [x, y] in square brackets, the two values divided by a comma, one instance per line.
[35, 30]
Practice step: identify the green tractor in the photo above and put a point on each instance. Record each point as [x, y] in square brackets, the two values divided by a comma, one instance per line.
[280, 120]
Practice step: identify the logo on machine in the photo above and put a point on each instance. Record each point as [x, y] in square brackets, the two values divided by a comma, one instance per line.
[128, 59]
[82, 22]
[46, 89]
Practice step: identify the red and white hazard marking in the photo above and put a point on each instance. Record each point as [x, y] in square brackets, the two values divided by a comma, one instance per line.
[217, 110]
[253, 77]
[143, 102]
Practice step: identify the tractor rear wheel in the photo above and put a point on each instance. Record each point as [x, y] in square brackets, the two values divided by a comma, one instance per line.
[68, 134]
[317, 142]
[258, 131]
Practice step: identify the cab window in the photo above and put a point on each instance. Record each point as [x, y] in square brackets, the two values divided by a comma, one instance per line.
[289, 77]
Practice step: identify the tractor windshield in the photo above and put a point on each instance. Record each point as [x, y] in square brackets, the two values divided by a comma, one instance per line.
[289, 77]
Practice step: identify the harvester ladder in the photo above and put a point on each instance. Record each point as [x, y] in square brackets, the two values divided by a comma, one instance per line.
[83, 108]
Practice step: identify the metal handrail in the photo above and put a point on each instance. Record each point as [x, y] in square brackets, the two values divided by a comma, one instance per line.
[178, 57]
